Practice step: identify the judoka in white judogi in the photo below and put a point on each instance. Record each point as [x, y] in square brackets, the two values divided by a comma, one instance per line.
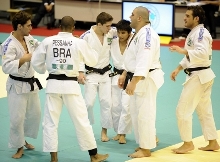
[196, 94]
[96, 82]
[24, 104]
[61, 55]
[141, 55]
[120, 99]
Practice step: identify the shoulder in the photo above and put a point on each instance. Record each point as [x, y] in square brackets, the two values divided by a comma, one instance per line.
[8, 44]
[202, 33]
[85, 34]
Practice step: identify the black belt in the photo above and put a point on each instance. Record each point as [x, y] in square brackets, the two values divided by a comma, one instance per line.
[100, 71]
[60, 77]
[129, 76]
[29, 80]
[189, 70]
[116, 72]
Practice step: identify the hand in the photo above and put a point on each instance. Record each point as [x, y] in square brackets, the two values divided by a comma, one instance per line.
[175, 49]
[130, 88]
[174, 74]
[81, 78]
[179, 50]
[27, 57]
[48, 7]
[121, 81]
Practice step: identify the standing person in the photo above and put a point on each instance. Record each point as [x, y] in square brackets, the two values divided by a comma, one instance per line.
[196, 93]
[120, 105]
[60, 55]
[210, 9]
[47, 7]
[97, 79]
[143, 69]
[22, 90]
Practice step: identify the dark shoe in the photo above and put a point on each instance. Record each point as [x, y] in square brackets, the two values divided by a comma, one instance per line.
[49, 26]
[213, 35]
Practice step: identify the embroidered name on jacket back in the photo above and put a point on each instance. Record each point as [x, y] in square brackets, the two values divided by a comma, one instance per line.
[62, 55]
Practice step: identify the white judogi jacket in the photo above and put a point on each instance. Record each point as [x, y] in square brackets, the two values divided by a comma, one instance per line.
[62, 54]
[117, 58]
[12, 51]
[143, 54]
[199, 46]
[103, 51]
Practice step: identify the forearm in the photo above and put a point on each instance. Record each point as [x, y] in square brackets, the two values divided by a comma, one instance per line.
[136, 79]
[179, 68]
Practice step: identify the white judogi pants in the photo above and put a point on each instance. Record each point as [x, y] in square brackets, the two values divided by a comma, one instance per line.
[196, 96]
[143, 114]
[25, 115]
[120, 111]
[105, 101]
[78, 113]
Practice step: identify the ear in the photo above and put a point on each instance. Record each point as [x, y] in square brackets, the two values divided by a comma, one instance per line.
[139, 18]
[19, 26]
[197, 18]
[99, 24]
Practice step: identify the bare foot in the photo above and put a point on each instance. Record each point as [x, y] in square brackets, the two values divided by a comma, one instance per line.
[141, 153]
[122, 139]
[137, 149]
[19, 153]
[186, 147]
[116, 138]
[28, 146]
[104, 136]
[157, 140]
[98, 157]
[53, 156]
[213, 145]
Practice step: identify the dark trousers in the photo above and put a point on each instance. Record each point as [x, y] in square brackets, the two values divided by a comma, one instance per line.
[40, 14]
[210, 18]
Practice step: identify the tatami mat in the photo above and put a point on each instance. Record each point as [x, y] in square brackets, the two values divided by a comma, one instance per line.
[166, 154]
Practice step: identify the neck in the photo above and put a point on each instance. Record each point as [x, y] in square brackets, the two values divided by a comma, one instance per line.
[140, 26]
[67, 31]
[18, 36]
[97, 31]
[123, 42]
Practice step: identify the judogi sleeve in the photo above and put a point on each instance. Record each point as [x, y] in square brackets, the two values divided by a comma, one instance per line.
[89, 55]
[38, 58]
[9, 62]
[202, 46]
[144, 55]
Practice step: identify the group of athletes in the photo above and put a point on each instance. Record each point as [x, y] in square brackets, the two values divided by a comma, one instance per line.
[127, 88]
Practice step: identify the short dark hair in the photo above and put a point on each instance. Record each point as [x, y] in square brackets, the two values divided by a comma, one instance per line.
[67, 22]
[197, 11]
[20, 17]
[124, 25]
[103, 18]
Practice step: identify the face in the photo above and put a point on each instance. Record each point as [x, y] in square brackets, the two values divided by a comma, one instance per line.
[105, 27]
[26, 28]
[123, 35]
[190, 22]
[134, 19]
